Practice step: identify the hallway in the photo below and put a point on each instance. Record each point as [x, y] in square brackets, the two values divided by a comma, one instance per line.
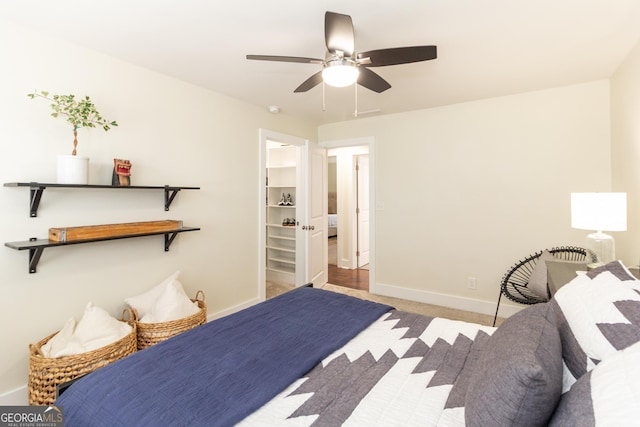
[353, 279]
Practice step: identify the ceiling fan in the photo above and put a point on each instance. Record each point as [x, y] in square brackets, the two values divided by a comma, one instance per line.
[343, 66]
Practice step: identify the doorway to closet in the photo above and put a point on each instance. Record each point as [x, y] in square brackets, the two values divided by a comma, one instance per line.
[292, 212]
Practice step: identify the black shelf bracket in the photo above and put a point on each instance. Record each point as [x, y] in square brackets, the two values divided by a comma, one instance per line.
[37, 246]
[35, 193]
[34, 256]
[36, 189]
[169, 194]
[168, 240]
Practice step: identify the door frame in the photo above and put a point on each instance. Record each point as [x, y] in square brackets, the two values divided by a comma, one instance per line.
[359, 211]
[370, 142]
[263, 136]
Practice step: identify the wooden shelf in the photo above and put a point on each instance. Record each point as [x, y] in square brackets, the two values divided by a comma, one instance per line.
[37, 246]
[37, 188]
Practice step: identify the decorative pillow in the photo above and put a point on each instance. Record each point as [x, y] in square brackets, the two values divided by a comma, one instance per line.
[560, 272]
[60, 344]
[598, 314]
[538, 279]
[172, 304]
[520, 377]
[143, 303]
[615, 268]
[95, 329]
[98, 328]
[609, 394]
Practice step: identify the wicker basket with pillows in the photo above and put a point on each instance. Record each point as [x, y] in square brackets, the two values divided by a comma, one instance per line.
[77, 349]
[165, 311]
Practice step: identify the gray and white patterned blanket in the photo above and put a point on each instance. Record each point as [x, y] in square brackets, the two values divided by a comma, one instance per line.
[403, 370]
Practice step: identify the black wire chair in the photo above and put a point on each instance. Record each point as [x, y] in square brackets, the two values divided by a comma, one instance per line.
[515, 282]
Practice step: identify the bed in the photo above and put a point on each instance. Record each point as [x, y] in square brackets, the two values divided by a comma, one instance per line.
[332, 217]
[332, 225]
[312, 357]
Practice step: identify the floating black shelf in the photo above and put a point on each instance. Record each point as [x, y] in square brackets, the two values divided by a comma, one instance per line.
[37, 246]
[37, 188]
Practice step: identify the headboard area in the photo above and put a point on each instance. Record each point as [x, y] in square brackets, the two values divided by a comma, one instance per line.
[332, 204]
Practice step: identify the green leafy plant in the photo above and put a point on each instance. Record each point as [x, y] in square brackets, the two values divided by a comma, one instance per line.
[78, 112]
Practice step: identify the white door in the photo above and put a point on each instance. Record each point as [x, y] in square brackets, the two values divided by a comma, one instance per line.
[316, 223]
[362, 210]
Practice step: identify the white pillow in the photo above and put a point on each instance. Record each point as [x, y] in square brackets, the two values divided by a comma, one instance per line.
[60, 342]
[607, 395]
[172, 304]
[597, 316]
[95, 329]
[144, 303]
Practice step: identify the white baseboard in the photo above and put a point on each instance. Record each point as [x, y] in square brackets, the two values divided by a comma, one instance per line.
[231, 310]
[446, 300]
[17, 397]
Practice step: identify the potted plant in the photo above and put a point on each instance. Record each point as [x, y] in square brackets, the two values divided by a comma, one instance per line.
[79, 113]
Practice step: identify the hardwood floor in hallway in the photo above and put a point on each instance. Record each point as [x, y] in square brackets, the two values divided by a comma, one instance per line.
[353, 279]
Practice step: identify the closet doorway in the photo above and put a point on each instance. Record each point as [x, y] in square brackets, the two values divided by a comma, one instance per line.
[292, 213]
[348, 209]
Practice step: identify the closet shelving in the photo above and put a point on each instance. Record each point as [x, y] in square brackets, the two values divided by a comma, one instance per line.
[282, 221]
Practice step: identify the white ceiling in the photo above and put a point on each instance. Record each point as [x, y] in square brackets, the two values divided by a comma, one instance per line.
[486, 48]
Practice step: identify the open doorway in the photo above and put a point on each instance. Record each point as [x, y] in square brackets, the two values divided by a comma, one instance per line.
[292, 213]
[348, 216]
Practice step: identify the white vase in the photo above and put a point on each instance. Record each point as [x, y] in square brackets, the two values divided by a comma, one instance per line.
[73, 169]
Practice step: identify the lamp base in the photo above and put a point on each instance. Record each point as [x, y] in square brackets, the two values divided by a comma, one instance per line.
[602, 245]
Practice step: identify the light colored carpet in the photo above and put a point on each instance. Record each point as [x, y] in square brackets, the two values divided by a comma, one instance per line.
[274, 289]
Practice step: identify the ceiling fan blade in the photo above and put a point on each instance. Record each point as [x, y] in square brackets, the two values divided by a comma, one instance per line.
[310, 83]
[398, 55]
[372, 81]
[338, 33]
[286, 59]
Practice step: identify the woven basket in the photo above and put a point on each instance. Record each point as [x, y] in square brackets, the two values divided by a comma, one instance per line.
[153, 333]
[46, 373]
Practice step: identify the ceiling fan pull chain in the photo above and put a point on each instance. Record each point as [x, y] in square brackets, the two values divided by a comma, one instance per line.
[355, 112]
[324, 106]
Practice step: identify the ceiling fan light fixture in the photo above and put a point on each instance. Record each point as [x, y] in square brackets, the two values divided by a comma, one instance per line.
[340, 73]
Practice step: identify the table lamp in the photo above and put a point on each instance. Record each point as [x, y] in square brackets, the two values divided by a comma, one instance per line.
[599, 212]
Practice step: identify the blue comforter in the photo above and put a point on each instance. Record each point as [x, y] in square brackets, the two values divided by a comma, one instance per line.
[220, 372]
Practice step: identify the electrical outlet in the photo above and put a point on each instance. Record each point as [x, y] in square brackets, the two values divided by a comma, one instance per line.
[471, 283]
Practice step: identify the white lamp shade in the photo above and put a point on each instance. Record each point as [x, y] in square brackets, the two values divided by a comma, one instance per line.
[599, 211]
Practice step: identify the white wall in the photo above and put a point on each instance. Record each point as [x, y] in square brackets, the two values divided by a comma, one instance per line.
[469, 189]
[173, 133]
[331, 174]
[625, 141]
